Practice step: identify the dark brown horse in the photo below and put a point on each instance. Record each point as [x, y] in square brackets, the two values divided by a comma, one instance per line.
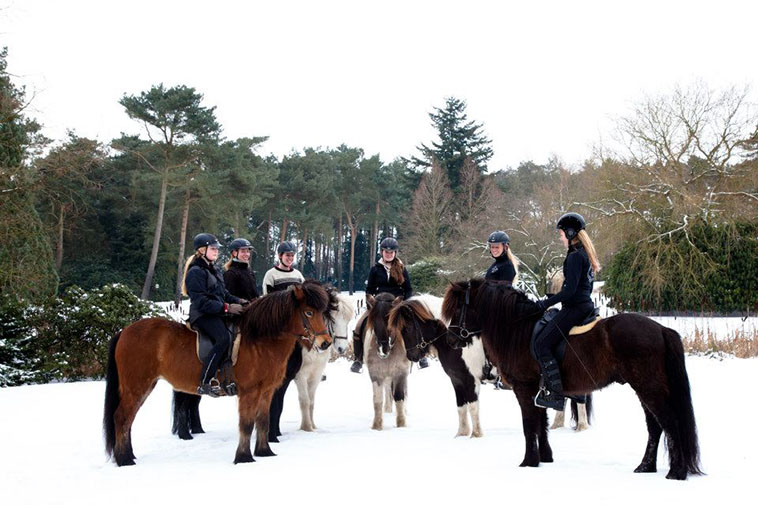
[626, 348]
[158, 348]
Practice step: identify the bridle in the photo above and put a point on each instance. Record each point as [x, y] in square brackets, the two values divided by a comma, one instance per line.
[310, 335]
[423, 344]
[463, 332]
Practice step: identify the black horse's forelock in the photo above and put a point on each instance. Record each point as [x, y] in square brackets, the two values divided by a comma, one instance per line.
[321, 297]
[377, 315]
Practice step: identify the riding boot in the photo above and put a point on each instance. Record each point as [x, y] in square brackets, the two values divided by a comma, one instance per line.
[209, 385]
[423, 362]
[551, 392]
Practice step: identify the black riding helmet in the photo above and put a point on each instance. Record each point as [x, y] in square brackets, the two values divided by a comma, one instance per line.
[499, 237]
[240, 243]
[204, 240]
[571, 224]
[389, 244]
[286, 247]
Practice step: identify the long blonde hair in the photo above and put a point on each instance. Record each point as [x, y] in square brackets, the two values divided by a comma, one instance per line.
[584, 238]
[192, 258]
[514, 260]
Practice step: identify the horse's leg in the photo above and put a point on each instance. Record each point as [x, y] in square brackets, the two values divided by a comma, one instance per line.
[473, 409]
[534, 421]
[581, 417]
[650, 459]
[464, 429]
[246, 402]
[181, 421]
[261, 421]
[132, 398]
[399, 390]
[388, 396]
[378, 388]
[275, 411]
[305, 402]
[313, 384]
[559, 421]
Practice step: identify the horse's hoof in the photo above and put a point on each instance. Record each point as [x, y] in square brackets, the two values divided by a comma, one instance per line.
[548, 458]
[264, 453]
[185, 436]
[646, 468]
[198, 430]
[677, 474]
[243, 458]
[127, 461]
[582, 427]
[531, 463]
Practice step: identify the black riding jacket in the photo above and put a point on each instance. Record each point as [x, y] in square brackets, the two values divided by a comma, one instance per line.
[578, 278]
[207, 293]
[501, 270]
[379, 281]
[240, 280]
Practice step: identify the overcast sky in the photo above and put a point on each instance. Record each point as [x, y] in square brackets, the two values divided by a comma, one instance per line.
[544, 77]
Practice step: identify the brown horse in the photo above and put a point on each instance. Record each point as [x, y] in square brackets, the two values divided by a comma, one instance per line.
[626, 348]
[157, 348]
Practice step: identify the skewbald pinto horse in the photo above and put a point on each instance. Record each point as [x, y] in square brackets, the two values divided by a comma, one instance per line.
[157, 348]
[626, 348]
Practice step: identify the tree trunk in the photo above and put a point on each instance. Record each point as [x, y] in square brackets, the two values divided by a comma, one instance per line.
[283, 234]
[59, 244]
[182, 245]
[156, 239]
[374, 237]
[305, 249]
[338, 255]
[353, 225]
[268, 241]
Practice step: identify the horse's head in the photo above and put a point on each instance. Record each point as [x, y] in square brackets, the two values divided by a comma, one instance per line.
[312, 304]
[341, 317]
[460, 309]
[378, 314]
[416, 325]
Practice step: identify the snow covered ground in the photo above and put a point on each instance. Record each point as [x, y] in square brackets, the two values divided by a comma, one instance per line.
[51, 448]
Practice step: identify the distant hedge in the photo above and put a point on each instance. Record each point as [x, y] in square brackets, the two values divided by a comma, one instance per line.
[718, 275]
[426, 278]
[67, 337]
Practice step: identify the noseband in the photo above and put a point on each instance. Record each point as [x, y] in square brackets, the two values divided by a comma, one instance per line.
[463, 333]
[423, 344]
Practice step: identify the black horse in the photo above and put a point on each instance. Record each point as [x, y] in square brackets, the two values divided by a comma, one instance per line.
[626, 348]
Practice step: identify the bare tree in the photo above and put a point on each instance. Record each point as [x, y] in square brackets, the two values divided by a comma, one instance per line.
[429, 223]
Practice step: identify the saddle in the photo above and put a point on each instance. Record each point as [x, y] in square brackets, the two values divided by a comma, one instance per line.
[203, 344]
[559, 350]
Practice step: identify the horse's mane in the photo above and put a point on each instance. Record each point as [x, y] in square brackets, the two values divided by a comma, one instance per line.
[333, 303]
[376, 320]
[506, 315]
[269, 315]
[344, 309]
[401, 314]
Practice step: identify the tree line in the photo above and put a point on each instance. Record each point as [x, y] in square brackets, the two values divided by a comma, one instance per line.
[673, 213]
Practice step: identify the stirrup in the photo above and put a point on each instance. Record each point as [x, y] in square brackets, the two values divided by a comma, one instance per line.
[423, 362]
[548, 400]
[230, 389]
[357, 366]
[212, 388]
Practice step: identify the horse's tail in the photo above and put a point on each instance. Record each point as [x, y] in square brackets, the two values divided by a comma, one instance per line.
[112, 396]
[680, 400]
[587, 407]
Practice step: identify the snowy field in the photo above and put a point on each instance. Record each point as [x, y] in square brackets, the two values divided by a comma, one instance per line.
[51, 448]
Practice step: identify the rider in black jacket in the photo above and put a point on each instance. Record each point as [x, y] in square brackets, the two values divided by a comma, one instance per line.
[239, 277]
[579, 269]
[503, 268]
[387, 276]
[209, 301]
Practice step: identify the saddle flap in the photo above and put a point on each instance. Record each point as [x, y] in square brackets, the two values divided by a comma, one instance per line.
[203, 344]
[589, 323]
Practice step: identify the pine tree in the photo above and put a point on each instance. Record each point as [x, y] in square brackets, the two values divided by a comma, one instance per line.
[459, 138]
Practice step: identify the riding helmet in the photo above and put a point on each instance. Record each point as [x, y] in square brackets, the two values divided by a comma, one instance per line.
[240, 243]
[205, 239]
[571, 224]
[389, 243]
[499, 237]
[286, 247]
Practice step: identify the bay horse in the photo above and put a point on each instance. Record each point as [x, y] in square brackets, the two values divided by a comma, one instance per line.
[625, 348]
[304, 365]
[385, 359]
[422, 330]
[157, 348]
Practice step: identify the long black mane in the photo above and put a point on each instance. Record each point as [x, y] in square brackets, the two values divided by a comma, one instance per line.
[269, 315]
[506, 316]
[378, 315]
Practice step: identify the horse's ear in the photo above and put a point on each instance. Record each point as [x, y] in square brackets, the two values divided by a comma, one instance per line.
[370, 301]
[298, 293]
[397, 301]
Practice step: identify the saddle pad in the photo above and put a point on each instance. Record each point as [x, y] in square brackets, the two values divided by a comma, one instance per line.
[578, 330]
[203, 344]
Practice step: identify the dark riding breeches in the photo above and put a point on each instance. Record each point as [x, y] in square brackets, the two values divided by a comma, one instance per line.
[568, 317]
[217, 331]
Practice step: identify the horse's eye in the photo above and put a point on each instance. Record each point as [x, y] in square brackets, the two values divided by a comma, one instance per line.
[309, 313]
